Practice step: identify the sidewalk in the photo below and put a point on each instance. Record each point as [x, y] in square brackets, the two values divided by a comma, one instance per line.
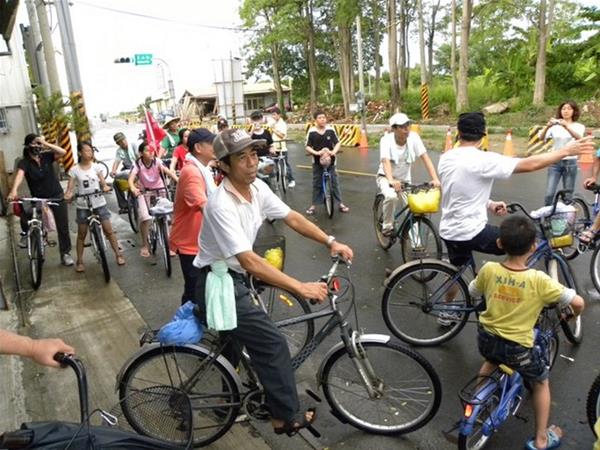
[98, 320]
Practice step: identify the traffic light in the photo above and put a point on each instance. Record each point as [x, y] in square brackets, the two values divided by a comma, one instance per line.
[124, 60]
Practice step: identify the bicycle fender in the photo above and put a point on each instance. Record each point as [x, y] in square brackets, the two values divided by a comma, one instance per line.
[382, 338]
[151, 347]
[414, 263]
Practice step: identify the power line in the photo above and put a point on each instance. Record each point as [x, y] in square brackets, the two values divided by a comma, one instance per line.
[162, 19]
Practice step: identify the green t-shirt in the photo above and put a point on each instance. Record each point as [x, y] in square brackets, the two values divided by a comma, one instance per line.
[169, 142]
[514, 300]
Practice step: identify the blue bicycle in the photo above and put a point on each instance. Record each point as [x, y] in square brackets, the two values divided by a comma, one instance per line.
[489, 400]
[326, 185]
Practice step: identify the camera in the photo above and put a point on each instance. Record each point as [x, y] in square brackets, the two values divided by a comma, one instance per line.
[554, 121]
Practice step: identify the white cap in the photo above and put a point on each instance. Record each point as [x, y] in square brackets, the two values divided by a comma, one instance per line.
[399, 119]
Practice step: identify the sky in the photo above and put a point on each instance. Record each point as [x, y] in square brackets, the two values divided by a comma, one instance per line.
[103, 33]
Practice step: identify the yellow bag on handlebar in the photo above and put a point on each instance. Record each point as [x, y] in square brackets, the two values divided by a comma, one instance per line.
[424, 202]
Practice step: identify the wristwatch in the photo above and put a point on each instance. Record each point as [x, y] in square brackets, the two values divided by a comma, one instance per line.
[329, 241]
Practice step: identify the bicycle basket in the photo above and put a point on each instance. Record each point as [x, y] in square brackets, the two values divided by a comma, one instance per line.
[424, 201]
[272, 248]
[558, 228]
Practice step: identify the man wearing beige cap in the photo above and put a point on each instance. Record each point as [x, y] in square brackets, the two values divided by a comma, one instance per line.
[234, 213]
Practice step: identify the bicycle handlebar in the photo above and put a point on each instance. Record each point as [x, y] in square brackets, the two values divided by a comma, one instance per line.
[77, 366]
[513, 207]
[96, 192]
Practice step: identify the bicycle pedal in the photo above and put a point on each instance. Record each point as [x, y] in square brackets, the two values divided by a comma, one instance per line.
[314, 395]
[313, 431]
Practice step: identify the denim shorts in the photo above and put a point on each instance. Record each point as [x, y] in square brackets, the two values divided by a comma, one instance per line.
[82, 214]
[527, 361]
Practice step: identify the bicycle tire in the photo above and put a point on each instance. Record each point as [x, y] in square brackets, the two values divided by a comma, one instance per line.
[465, 442]
[132, 212]
[392, 365]
[592, 404]
[281, 304]
[36, 259]
[163, 233]
[100, 248]
[573, 329]
[103, 168]
[582, 220]
[552, 350]
[413, 248]
[595, 268]
[153, 237]
[282, 173]
[413, 324]
[167, 365]
[328, 195]
[385, 242]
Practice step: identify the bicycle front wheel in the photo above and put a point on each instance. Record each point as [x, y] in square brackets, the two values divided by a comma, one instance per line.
[407, 389]
[213, 392]
[595, 268]
[582, 221]
[163, 233]
[132, 212]
[283, 175]
[100, 248]
[385, 242]
[592, 406]
[36, 257]
[426, 304]
[420, 240]
[328, 195]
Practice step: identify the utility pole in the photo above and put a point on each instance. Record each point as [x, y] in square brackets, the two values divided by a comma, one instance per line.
[361, 78]
[37, 39]
[48, 46]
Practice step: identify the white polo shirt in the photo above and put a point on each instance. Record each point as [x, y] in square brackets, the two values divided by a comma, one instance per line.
[400, 156]
[467, 176]
[231, 222]
[561, 137]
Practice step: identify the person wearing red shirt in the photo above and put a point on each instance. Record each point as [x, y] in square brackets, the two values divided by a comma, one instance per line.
[180, 151]
[190, 198]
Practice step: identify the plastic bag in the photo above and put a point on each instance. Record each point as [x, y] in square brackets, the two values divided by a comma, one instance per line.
[48, 219]
[221, 312]
[184, 328]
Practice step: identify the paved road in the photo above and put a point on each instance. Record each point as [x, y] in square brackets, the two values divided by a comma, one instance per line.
[156, 297]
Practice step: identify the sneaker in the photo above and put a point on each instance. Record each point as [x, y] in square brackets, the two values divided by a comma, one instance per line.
[447, 319]
[66, 260]
[292, 184]
[23, 241]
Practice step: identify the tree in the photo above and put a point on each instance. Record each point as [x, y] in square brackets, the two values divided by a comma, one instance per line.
[393, 54]
[462, 96]
[435, 8]
[453, 49]
[544, 26]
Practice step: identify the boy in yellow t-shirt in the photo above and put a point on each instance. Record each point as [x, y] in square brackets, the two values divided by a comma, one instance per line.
[515, 295]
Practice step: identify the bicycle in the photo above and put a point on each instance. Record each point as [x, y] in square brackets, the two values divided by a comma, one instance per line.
[281, 171]
[418, 237]
[489, 400]
[593, 244]
[159, 229]
[353, 377]
[592, 404]
[95, 227]
[419, 293]
[169, 409]
[132, 212]
[35, 236]
[103, 165]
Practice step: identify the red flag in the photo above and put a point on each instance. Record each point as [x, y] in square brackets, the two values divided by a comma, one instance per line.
[154, 132]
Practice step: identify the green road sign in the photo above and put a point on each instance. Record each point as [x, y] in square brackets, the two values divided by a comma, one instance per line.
[143, 59]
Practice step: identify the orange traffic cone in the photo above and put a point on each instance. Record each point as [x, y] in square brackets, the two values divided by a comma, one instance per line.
[363, 140]
[448, 144]
[586, 159]
[508, 145]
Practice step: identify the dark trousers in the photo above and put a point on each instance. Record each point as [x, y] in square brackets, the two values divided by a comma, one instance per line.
[318, 195]
[190, 276]
[266, 346]
[459, 252]
[61, 217]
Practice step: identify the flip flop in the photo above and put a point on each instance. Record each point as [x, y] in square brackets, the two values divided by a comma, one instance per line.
[292, 427]
[553, 441]
[344, 208]
[80, 268]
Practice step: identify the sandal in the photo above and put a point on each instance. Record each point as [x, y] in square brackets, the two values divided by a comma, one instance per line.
[311, 210]
[145, 253]
[79, 267]
[292, 427]
[553, 440]
[587, 236]
[344, 208]
[120, 260]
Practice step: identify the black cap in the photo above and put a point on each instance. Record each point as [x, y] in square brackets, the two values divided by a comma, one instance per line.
[199, 135]
[472, 124]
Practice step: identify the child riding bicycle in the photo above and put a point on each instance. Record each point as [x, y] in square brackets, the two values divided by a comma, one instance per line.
[88, 178]
[151, 176]
[515, 295]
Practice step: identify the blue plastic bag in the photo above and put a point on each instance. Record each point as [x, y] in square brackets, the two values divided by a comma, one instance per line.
[183, 329]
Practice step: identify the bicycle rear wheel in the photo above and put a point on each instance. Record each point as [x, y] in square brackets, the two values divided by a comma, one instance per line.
[280, 305]
[595, 268]
[582, 221]
[385, 242]
[132, 212]
[477, 439]
[213, 392]
[592, 405]
[163, 234]
[328, 195]
[426, 304]
[100, 248]
[408, 390]
[36, 258]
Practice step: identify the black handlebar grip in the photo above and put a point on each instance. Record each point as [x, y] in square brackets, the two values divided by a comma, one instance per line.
[16, 439]
[60, 357]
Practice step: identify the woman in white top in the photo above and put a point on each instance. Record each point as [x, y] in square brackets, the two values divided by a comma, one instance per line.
[562, 129]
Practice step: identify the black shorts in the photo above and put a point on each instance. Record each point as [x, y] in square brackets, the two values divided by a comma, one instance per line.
[459, 252]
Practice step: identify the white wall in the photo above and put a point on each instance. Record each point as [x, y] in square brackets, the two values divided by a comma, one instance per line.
[15, 95]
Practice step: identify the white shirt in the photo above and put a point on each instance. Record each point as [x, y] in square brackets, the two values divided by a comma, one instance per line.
[281, 127]
[400, 156]
[86, 182]
[231, 222]
[467, 176]
[561, 137]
